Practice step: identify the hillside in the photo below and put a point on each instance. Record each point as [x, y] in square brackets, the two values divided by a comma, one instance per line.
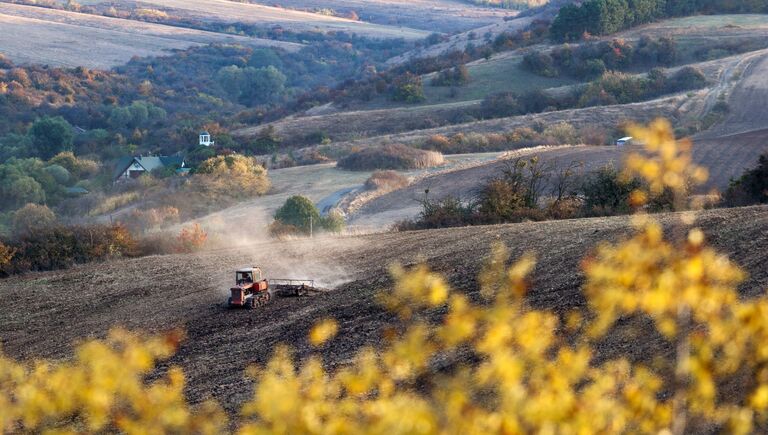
[158, 293]
[430, 15]
[60, 38]
[269, 16]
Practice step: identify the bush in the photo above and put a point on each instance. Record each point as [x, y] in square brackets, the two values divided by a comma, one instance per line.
[298, 212]
[230, 176]
[31, 218]
[540, 63]
[501, 105]
[686, 79]
[443, 213]
[751, 187]
[58, 246]
[394, 156]
[606, 193]
[561, 134]
[334, 221]
[386, 181]
[278, 229]
[78, 167]
[6, 255]
[456, 76]
[191, 239]
[407, 88]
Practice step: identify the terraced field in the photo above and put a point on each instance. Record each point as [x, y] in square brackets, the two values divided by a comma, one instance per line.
[60, 38]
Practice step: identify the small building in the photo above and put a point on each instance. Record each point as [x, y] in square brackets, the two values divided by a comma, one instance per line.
[624, 141]
[205, 139]
[128, 168]
[76, 191]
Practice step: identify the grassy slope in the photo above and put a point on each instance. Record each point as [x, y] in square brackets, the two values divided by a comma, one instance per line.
[269, 16]
[501, 73]
[61, 38]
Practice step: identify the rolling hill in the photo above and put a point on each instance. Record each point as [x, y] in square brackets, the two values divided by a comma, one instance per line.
[269, 16]
[60, 38]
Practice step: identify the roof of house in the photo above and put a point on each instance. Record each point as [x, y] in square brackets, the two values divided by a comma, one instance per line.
[625, 138]
[204, 133]
[149, 163]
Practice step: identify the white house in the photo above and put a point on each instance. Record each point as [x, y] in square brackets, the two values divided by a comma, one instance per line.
[624, 141]
[205, 139]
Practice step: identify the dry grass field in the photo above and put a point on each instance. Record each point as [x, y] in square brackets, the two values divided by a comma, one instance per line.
[270, 16]
[44, 313]
[431, 15]
[60, 38]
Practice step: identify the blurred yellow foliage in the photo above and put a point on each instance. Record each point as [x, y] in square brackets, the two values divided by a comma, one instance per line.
[452, 364]
[103, 388]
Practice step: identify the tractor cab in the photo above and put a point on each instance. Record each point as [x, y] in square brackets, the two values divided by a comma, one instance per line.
[248, 275]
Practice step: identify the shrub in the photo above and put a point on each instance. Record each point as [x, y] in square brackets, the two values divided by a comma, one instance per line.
[687, 78]
[191, 239]
[278, 229]
[456, 76]
[607, 193]
[407, 88]
[334, 221]
[444, 213]
[78, 167]
[751, 187]
[31, 218]
[60, 174]
[230, 176]
[501, 105]
[58, 246]
[6, 255]
[438, 142]
[540, 63]
[394, 156]
[386, 181]
[299, 212]
[561, 133]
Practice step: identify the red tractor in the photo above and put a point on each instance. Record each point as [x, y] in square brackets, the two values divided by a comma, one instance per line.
[252, 290]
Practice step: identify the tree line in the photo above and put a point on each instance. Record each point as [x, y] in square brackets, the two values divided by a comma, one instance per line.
[604, 17]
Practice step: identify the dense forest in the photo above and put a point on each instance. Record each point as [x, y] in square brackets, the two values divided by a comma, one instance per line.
[603, 17]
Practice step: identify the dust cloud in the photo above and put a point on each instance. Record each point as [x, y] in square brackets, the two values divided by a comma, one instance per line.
[241, 239]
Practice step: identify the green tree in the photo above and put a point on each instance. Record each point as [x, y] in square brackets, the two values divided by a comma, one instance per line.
[252, 86]
[59, 173]
[17, 188]
[298, 211]
[50, 136]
